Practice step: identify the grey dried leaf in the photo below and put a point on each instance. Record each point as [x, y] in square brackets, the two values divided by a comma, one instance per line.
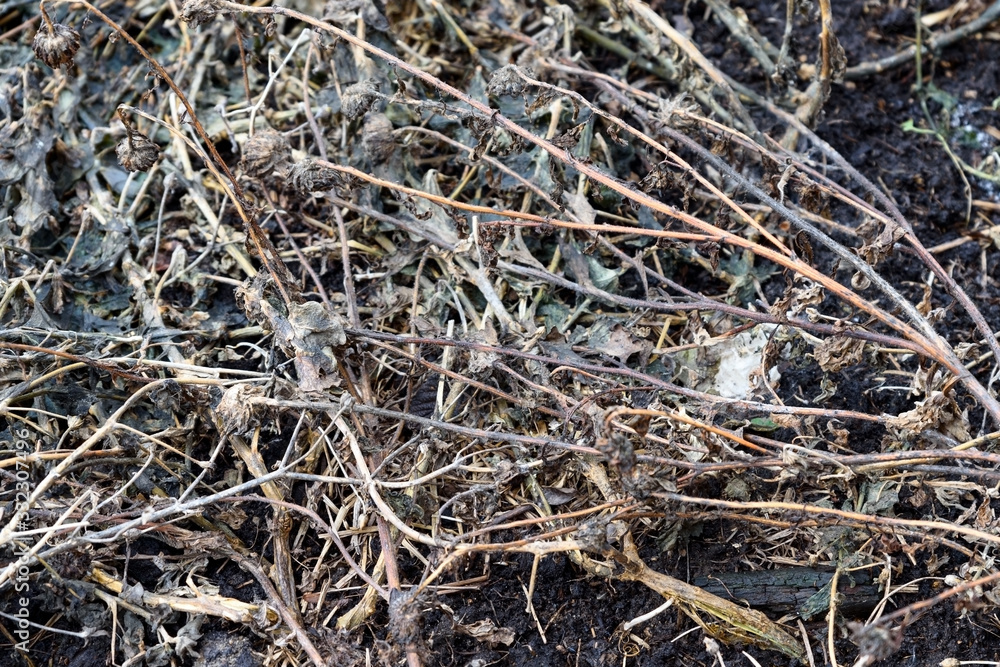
[221, 648]
[874, 641]
[359, 98]
[308, 332]
[620, 344]
[264, 152]
[677, 112]
[316, 327]
[879, 246]
[838, 60]
[558, 495]
[374, 18]
[57, 46]
[571, 137]
[136, 152]
[938, 412]
[486, 631]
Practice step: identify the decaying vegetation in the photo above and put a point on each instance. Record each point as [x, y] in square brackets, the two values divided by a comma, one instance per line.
[311, 313]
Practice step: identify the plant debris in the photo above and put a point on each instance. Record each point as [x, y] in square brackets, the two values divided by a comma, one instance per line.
[469, 333]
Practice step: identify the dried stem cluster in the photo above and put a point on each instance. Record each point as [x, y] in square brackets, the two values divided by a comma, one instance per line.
[392, 438]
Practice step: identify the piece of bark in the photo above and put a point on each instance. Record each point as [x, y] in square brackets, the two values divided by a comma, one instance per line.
[787, 590]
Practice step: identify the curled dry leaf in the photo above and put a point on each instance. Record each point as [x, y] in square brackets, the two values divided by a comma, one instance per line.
[677, 111]
[874, 641]
[315, 333]
[838, 60]
[860, 281]
[879, 246]
[310, 176]
[939, 412]
[837, 353]
[620, 344]
[486, 631]
[308, 332]
[346, 13]
[233, 414]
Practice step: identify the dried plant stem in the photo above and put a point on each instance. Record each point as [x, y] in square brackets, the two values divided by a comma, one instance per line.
[611, 85]
[230, 609]
[45, 17]
[827, 45]
[932, 347]
[749, 624]
[783, 62]
[860, 71]
[676, 159]
[54, 475]
[598, 370]
[937, 347]
[507, 213]
[865, 519]
[755, 44]
[918, 343]
[911, 610]
[288, 616]
[923, 253]
[643, 11]
[265, 249]
[831, 619]
[928, 340]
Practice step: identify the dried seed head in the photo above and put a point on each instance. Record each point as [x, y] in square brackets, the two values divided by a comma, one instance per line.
[507, 81]
[264, 152]
[307, 176]
[310, 176]
[376, 138]
[55, 44]
[196, 12]
[359, 98]
[136, 152]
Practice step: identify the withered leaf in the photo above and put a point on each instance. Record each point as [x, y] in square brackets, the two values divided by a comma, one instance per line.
[837, 353]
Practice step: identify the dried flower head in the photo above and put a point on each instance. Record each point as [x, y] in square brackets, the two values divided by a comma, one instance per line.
[264, 152]
[196, 12]
[359, 98]
[308, 176]
[377, 139]
[136, 152]
[507, 80]
[312, 176]
[55, 44]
